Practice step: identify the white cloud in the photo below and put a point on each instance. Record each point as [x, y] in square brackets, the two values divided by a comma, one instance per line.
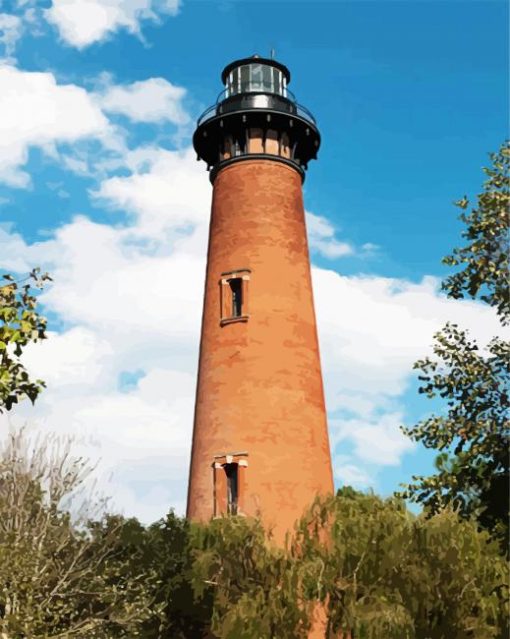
[83, 22]
[134, 303]
[166, 191]
[321, 237]
[373, 328]
[35, 111]
[377, 441]
[152, 100]
[371, 331]
[76, 355]
[10, 32]
[349, 474]
[17, 256]
[139, 440]
[370, 247]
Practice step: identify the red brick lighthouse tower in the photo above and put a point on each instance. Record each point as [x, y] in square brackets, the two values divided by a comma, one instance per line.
[260, 441]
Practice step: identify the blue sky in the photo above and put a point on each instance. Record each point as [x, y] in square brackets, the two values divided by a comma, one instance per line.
[98, 184]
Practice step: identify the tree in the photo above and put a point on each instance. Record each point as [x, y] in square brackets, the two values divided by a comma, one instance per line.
[166, 549]
[352, 544]
[473, 434]
[62, 576]
[485, 258]
[382, 572]
[255, 587]
[453, 580]
[20, 324]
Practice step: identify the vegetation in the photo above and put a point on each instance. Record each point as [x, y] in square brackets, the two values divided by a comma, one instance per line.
[473, 434]
[377, 569]
[485, 258]
[62, 575]
[167, 551]
[256, 589]
[20, 324]
[382, 572]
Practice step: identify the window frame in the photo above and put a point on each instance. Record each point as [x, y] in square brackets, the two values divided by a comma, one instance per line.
[236, 290]
[222, 505]
[227, 315]
[232, 477]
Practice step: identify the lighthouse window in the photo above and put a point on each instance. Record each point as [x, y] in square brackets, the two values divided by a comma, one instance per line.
[232, 82]
[276, 80]
[256, 77]
[234, 85]
[232, 487]
[245, 78]
[234, 296]
[236, 287]
[267, 78]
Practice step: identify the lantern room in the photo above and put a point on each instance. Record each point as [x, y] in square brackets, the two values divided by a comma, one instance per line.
[255, 75]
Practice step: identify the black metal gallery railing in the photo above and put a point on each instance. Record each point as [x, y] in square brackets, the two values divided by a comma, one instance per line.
[228, 103]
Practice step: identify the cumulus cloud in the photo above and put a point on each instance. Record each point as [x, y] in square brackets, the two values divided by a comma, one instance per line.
[10, 32]
[80, 23]
[36, 111]
[152, 100]
[131, 302]
[64, 120]
[373, 328]
[346, 473]
[323, 241]
[371, 331]
[321, 237]
[139, 439]
[376, 441]
[167, 192]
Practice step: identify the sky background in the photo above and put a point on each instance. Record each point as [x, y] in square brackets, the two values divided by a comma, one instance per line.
[99, 185]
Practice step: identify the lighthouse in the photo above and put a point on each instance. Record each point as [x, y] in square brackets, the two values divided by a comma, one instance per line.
[260, 440]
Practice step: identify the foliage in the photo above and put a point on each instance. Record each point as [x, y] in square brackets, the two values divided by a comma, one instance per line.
[256, 587]
[353, 543]
[474, 433]
[20, 324]
[454, 581]
[166, 549]
[485, 258]
[61, 576]
[383, 573]
[377, 569]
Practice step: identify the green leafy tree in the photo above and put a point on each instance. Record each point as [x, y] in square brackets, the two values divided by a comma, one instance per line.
[484, 259]
[62, 576]
[382, 572]
[453, 580]
[352, 544]
[256, 588]
[375, 569]
[165, 548]
[20, 324]
[473, 434]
